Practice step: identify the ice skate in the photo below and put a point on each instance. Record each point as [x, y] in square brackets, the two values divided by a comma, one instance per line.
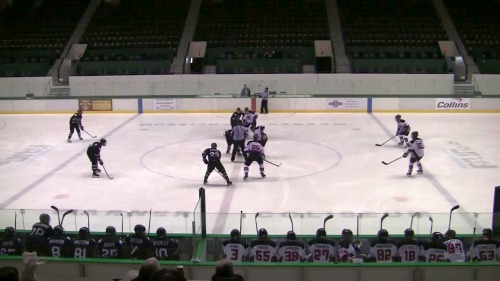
[205, 181]
[98, 170]
[409, 173]
[420, 171]
[401, 143]
[68, 141]
[262, 174]
[229, 182]
[95, 175]
[245, 177]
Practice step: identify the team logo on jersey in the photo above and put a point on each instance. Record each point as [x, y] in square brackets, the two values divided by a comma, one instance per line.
[453, 104]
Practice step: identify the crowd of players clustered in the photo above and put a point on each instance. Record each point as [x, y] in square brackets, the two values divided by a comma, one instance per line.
[48, 241]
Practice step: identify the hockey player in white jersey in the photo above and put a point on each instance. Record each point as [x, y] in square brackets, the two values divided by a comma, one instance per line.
[402, 130]
[255, 152]
[249, 118]
[383, 249]
[416, 149]
[261, 136]
[454, 247]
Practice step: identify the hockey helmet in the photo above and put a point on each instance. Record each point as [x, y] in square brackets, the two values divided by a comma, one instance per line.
[246, 109]
[139, 229]
[58, 230]
[45, 218]
[321, 232]
[10, 232]
[383, 234]
[409, 233]
[262, 233]
[103, 142]
[488, 233]
[238, 109]
[110, 230]
[79, 111]
[84, 232]
[450, 233]
[161, 232]
[290, 235]
[436, 237]
[235, 234]
[397, 117]
[414, 135]
[213, 145]
[346, 233]
[255, 137]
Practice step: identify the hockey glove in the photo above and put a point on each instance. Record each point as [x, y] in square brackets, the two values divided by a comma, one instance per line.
[405, 154]
[100, 162]
[81, 128]
[263, 156]
[205, 161]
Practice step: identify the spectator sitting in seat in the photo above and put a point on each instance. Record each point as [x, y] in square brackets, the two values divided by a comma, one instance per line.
[224, 271]
[168, 275]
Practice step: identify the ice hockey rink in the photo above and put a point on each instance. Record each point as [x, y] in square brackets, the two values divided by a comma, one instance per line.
[330, 165]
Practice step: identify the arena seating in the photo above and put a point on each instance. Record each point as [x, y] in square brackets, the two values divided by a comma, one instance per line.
[136, 37]
[477, 25]
[288, 28]
[392, 36]
[33, 37]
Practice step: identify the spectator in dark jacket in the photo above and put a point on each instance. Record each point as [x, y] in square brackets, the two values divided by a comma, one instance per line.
[224, 271]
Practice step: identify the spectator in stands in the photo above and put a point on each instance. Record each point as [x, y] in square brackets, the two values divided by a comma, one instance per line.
[148, 268]
[224, 271]
[9, 273]
[263, 105]
[245, 92]
[168, 275]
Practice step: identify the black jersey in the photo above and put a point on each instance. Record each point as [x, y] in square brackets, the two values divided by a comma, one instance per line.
[11, 246]
[59, 247]
[41, 229]
[166, 249]
[139, 247]
[76, 119]
[84, 248]
[235, 117]
[94, 150]
[212, 154]
[110, 247]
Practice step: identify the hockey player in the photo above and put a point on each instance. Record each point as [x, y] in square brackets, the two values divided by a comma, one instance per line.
[11, 245]
[84, 246]
[139, 246]
[346, 248]
[37, 239]
[402, 130]
[263, 249]
[235, 117]
[59, 246]
[321, 249]
[408, 249]
[229, 140]
[94, 154]
[261, 136]
[416, 148]
[75, 122]
[234, 248]
[250, 118]
[166, 248]
[486, 248]
[110, 246]
[434, 250]
[255, 152]
[211, 157]
[454, 247]
[383, 249]
[239, 133]
[291, 250]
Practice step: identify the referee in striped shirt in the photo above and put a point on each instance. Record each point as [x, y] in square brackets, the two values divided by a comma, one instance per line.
[239, 133]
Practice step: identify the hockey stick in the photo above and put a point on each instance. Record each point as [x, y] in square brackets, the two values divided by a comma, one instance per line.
[387, 163]
[451, 211]
[15, 220]
[241, 220]
[149, 223]
[58, 216]
[384, 142]
[432, 223]
[382, 220]
[357, 227]
[291, 221]
[277, 165]
[329, 217]
[65, 214]
[413, 216]
[90, 134]
[256, 228]
[122, 223]
[107, 172]
[473, 237]
[88, 218]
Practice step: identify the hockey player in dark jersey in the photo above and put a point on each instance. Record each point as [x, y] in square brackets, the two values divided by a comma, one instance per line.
[84, 246]
[59, 246]
[434, 250]
[94, 154]
[486, 248]
[346, 248]
[408, 248]
[255, 152]
[75, 122]
[110, 246]
[37, 239]
[229, 140]
[383, 249]
[291, 250]
[166, 248]
[235, 117]
[138, 245]
[234, 248]
[211, 157]
[11, 245]
[263, 249]
[321, 249]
